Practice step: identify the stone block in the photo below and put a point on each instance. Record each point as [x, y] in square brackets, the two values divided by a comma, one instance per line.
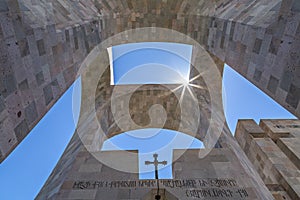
[2, 104]
[67, 35]
[257, 45]
[291, 148]
[293, 96]
[23, 85]
[109, 195]
[41, 47]
[48, 94]
[296, 6]
[69, 74]
[281, 195]
[90, 168]
[3, 6]
[18, 26]
[273, 84]
[286, 80]
[21, 130]
[6, 24]
[257, 75]
[274, 129]
[82, 194]
[1, 33]
[40, 78]
[10, 85]
[51, 32]
[31, 113]
[24, 47]
[274, 46]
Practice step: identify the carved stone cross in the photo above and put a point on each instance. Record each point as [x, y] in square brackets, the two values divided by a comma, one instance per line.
[156, 163]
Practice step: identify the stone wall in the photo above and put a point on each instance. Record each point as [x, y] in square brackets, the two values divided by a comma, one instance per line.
[44, 42]
[172, 115]
[273, 147]
[38, 63]
[217, 176]
[86, 174]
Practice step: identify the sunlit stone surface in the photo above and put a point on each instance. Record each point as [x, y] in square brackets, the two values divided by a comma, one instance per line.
[274, 149]
[43, 44]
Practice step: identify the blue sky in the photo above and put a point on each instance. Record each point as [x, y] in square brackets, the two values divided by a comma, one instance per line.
[243, 100]
[151, 62]
[24, 172]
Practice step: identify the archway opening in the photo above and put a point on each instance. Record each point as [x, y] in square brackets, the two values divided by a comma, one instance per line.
[150, 63]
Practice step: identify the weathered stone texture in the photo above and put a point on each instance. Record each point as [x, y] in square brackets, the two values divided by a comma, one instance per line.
[63, 167]
[141, 101]
[90, 179]
[43, 43]
[81, 169]
[273, 148]
[39, 62]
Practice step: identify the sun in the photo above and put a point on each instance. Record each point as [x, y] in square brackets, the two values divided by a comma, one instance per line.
[187, 85]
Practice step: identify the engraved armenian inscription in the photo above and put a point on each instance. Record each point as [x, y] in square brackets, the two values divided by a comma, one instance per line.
[192, 188]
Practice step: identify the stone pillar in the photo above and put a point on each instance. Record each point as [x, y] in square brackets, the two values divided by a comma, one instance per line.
[273, 148]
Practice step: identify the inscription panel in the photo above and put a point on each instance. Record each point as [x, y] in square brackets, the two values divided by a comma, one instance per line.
[213, 188]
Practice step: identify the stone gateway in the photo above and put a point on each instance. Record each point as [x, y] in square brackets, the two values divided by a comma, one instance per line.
[46, 45]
